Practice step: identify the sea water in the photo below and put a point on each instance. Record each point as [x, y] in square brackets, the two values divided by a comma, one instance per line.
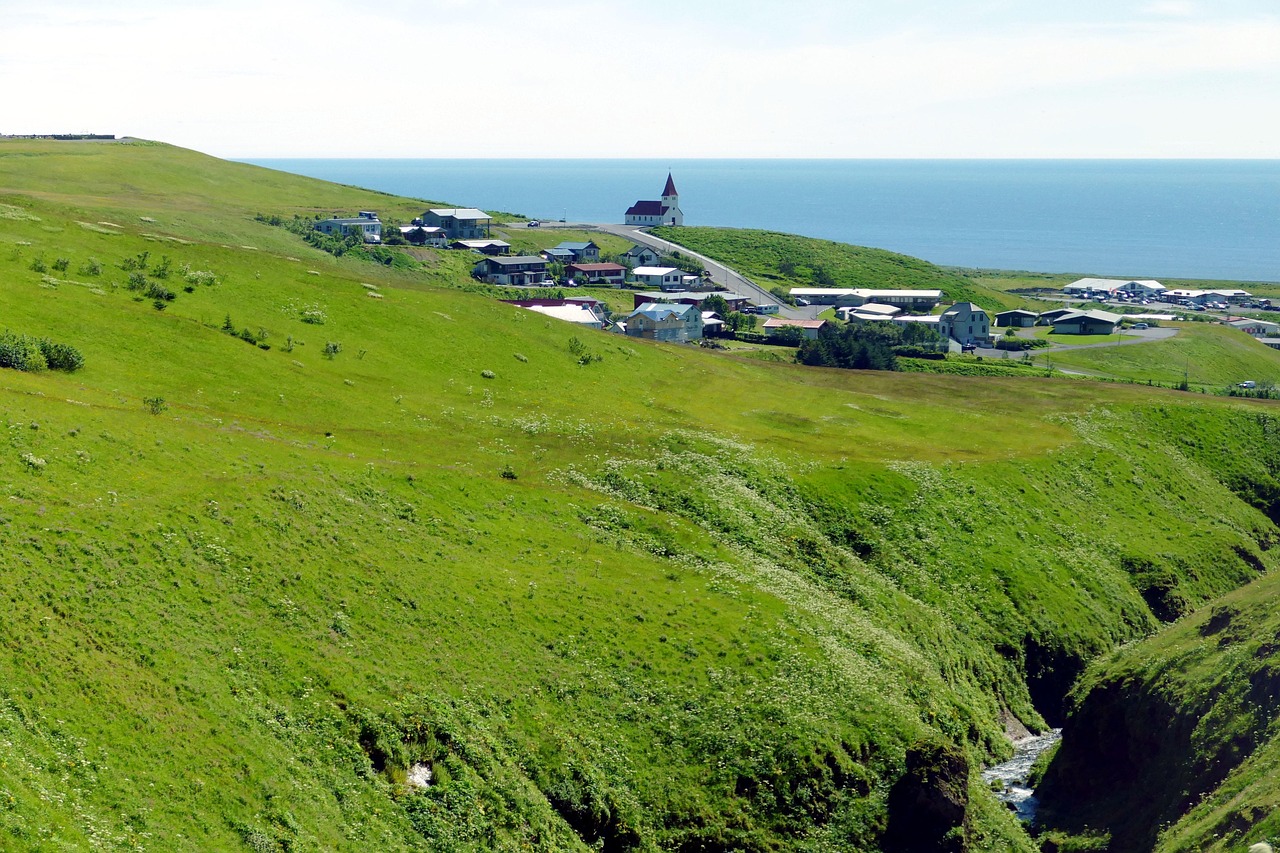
[1203, 219]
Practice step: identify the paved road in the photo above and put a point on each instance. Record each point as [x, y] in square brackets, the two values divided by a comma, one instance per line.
[728, 278]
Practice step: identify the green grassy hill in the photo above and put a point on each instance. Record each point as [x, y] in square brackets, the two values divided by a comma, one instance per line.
[1184, 723]
[662, 599]
[1205, 354]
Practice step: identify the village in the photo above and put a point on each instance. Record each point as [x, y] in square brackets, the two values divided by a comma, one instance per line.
[676, 302]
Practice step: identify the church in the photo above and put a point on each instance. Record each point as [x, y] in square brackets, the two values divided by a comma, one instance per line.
[665, 212]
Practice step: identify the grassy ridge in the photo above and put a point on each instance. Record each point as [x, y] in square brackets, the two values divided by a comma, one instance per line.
[663, 600]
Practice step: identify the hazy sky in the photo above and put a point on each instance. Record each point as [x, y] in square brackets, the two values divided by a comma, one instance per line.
[658, 78]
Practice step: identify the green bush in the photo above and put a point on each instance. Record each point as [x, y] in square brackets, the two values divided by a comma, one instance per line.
[19, 352]
[61, 356]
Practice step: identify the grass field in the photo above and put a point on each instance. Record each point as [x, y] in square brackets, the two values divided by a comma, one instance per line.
[655, 599]
[1205, 354]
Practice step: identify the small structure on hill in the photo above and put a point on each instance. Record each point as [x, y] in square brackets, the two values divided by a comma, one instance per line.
[665, 322]
[639, 256]
[664, 212]
[517, 270]
[1086, 323]
[587, 253]
[366, 224]
[1019, 318]
[966, 323]
[459, 223]
[610, 274]
[809, 328]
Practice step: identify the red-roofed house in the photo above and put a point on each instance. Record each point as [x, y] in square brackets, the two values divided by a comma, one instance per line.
[809, 327]
[664, 212]
[613, 274]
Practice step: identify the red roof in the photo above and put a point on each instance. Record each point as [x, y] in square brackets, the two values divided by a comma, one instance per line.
[646, 208]
[670, 188]
[779, 322]
[597, 267]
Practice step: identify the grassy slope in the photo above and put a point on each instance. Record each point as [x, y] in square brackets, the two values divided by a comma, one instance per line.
[715, 606]
[1183, 720]
[1211, 355]
[759, 254]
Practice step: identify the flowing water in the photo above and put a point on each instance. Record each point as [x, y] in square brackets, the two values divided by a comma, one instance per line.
[1012, 774]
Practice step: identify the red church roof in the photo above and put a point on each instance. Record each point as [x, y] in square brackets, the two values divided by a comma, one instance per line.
[670, 188]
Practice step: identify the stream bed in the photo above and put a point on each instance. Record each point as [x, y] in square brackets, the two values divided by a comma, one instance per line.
[1012, 774]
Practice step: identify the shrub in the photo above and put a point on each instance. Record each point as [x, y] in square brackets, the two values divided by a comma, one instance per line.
[61, 264]
[38, 264]
[19, 352]
[488, 374]
[155, 405]
[331, 349]
[314, 315]
[93, 266]
[61, 356]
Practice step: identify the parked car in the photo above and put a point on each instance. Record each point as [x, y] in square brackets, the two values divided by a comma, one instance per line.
[532, 223]
[1140, 326]
[800, 300]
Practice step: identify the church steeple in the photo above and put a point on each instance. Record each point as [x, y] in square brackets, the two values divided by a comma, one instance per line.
[669, 192]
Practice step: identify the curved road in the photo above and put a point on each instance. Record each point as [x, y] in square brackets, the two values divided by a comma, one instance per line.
[727, 277]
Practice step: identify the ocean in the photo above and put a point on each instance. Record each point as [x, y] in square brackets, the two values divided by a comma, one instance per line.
[1195, 219]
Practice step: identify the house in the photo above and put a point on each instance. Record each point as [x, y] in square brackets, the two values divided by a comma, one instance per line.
[1086, 323]
[558, 255]
[421, 235]
[810, 328]
[1048, 318]
[1017, 318]
[966, 323]
[517, 270]
[639, 256]
[663, 278]
[367, 224]
[735, 301]
[585, 312]
[712, 324]
[484, 247]
[909, 300]
[872, 311]
[664, 212]
[587, 252]
[1256, 328]
[459, 223]
[665, 322]
[1111, 287]
[611, 274]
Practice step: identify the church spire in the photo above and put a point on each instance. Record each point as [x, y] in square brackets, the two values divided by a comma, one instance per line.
[669, 191]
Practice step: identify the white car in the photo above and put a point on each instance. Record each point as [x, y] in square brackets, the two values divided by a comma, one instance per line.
[800, 300]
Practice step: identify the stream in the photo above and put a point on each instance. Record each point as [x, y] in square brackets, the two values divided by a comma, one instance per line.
[1012, 774]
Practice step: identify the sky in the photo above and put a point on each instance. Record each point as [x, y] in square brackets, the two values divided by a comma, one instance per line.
[659, 78]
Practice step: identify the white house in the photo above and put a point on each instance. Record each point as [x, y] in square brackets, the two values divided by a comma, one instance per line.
[664, 212]
[913, 300]
[663, 278]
